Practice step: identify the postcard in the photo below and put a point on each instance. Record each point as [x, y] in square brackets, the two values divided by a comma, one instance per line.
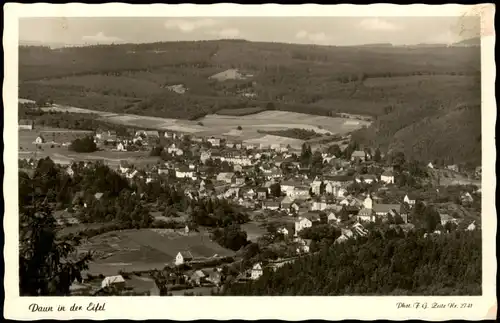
[249, 161]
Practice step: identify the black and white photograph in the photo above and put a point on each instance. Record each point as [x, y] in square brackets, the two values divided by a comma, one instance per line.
[252, 156]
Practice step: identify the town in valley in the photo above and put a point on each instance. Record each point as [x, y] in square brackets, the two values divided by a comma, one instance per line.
[264, 197]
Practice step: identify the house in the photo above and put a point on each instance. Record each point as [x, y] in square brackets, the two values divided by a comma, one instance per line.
[283, 231]
[332, 217]
[466, 198]
[121, 147]
[358, 155]
[286, 203]
[368, 203]
[98, 195]
[132, 174]
[249, 194]
[115, 281]
[262, 193]
[215, 277]
[472, 226]
[304, 245]
[25, 124]
[215, 142]
[453, 168]
[238, 180]
[70, 171]
[410, 199]
[319, 205]
[39, 140]
[366, 215]
[295, 207]
[124, 166]
[163, 170]
[151, 134]
[305, 221]
[368, 178]
[183, 257]
[205, 155]
[445, 218]
[316, 186]
[387, 177]
[225, 177]
[271, 205]
[430, 165]
[256, 271]
[384, 209]
[184, 172]
[287, 187]
[197, 277]
[301, 192]
[359, 230]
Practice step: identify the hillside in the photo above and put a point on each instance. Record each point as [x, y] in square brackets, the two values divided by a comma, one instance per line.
[403, 88]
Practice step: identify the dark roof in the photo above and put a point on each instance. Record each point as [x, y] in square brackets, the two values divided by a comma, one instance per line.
[385, 208]
[26, 122]
[338, 178]
[186, 255]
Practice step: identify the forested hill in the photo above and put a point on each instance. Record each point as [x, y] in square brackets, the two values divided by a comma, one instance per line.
[413, 92]
[391, 264]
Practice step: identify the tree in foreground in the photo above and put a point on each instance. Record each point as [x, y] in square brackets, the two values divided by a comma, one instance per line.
[47, 265]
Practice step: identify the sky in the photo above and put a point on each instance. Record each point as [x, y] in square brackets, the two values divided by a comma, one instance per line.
[338, 31]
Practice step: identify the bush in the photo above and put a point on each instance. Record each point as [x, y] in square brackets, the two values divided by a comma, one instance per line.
[84, 145]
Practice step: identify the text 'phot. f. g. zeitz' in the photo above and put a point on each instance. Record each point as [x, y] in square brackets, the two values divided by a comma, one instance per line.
[210, 156]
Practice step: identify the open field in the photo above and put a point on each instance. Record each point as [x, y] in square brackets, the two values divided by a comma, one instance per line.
[62, 155]
[225, 125]
[145, 249]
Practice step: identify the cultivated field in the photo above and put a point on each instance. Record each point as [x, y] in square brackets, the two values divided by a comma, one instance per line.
[225, 125]
[146, 249]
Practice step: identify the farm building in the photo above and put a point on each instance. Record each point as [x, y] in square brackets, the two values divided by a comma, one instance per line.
[26, 124]
[115, 281]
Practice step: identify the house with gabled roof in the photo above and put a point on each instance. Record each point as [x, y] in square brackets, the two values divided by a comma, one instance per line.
[183, 257]
[410, 198]
[358, 155]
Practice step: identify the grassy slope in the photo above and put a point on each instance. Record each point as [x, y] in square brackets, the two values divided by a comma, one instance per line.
[406, 89]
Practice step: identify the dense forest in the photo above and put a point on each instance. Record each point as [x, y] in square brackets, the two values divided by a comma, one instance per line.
[383, 263]
[412, 92]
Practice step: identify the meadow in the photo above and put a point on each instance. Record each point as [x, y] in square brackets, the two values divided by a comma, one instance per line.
[146, 249]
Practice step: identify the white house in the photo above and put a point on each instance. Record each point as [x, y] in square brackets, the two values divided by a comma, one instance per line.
[368, 202]
[182, 257]
[184, 172]
[115, 281]
[121, 147]
[472, 226]
[319, 206]
[70, 171]
[316, 186]
[214, 141]
[225, 177]
[358, 154]
[430, 165]
[387, 177]
[271, 205]
[332, 217]
[301, 224]
[410, 199]
[283, 231]
[256, 271]
[300, 192]
[39, 140]
[205, 155]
